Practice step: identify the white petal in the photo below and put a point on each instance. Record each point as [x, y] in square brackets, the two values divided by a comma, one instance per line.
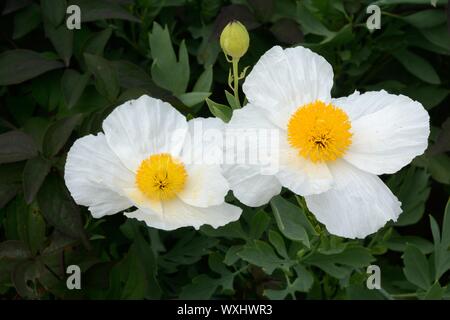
[389, 132]
[252, 157]
[204, 142]
[205, 186]
[250, 186]
[300, 175]
[139, 128]
[177, 214]
[283, 80]
[358, 205]
[142, 201]
[96, 177]
[251, 139]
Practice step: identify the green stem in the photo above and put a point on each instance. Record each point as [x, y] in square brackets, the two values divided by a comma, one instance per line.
[404, 295]
[235, 63]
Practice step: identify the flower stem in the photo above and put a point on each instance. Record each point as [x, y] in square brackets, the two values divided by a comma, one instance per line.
[235, 63]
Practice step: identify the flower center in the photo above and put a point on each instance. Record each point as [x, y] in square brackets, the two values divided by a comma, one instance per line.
[320, 131]
[160, 177]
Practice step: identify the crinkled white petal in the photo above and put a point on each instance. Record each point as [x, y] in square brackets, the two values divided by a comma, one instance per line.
[252, 156]
[177, 214]
[204, 142]
[389, 131]
[358, 205]
[283, 80]
[96, 177]
[300, 175]
[251, 139]
[205, 186]
[139, 128]
[140, 200]
[251, 187]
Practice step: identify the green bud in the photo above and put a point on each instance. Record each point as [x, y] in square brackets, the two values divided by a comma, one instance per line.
[234, 39]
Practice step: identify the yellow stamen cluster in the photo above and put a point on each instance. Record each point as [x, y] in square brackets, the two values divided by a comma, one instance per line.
[320, 131]
[160, 177]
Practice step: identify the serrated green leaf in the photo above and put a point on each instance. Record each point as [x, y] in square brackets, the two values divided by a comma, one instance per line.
[168, 71]
[261, 254]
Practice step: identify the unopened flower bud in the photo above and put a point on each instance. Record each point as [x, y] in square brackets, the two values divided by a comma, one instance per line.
[234, 39]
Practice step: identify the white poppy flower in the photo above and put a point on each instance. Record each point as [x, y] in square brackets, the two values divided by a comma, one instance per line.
[330, 150]
[145, 159]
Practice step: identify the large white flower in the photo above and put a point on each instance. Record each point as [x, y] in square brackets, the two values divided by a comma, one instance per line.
[330, 150]
[146, 158]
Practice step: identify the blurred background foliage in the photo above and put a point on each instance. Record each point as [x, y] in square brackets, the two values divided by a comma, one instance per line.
[57, 85]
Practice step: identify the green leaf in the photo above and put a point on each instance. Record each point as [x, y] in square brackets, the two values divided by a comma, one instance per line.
[441, 245]
[261, 254]
[16, 146]
[340, 265]
[204, 82]
[35, 229]
[26, 224]
[438, 36]
[59, 209]
[436, 292]
[14, 250]
[96, 44]
[437, 165]
[54, 10]
[291, 220]
[259, 223]
[417, 66]
[10, 182]
[399, 243]
[24, 275]
[231, 100]
[62, 39]
[20, 65]
[302, 283]
[47, 91]
[430, 96]
[26, 21]
[416, 268]
[220, 111]
[147, 258]
[226, 277]
[34, 173]
[167, 71]
[276, 240]
[310, 23]
[58, 134]
[231, 256]
[127, 278]
[426, 18]
[107, 82]
[446, 226]
[411, 186]
[73, 85]
[93, 10]
[201, 288]
[193, 98]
